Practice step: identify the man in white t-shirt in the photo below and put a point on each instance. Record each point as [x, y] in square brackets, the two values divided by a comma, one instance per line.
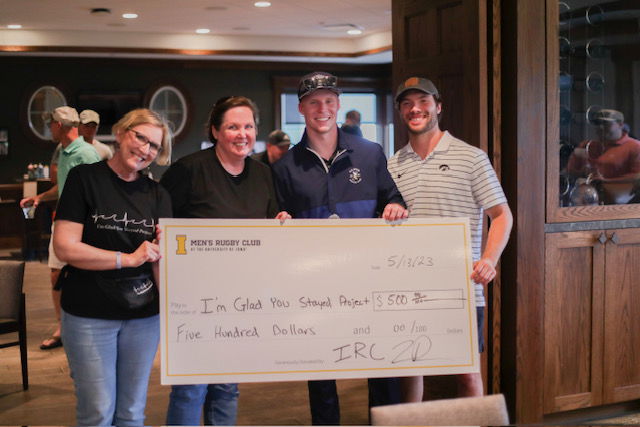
[442, 176]
[89, 121]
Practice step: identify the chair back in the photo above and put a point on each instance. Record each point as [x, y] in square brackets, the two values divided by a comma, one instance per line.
[477, 411]
[11, 279]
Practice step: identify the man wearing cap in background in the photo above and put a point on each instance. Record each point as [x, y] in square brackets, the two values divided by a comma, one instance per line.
[89, 121]
[278, 144]
[63, 124]
[331, 174]
[461, 183]
[613, 159]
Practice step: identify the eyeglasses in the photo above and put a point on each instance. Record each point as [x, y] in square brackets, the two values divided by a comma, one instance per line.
[154, 147]
[319, 81]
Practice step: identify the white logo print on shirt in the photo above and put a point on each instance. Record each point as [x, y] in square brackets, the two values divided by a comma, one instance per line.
[112, 222]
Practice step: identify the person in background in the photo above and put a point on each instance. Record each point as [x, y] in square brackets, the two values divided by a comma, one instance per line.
[89, 122]
[352, 123]
[278, 144]
[219, 182]
[461, 183]
[63, 124]
[332, 174]
[106, 230]
[612, 160]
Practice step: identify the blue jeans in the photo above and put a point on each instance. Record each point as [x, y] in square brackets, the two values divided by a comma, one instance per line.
[110, 362]
[325, 405]
[219, 402]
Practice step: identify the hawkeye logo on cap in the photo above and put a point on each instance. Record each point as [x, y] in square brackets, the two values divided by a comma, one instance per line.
[355, 176]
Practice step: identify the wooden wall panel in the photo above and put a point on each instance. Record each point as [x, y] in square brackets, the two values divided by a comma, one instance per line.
[622, 321]
[445, 41]
[449, 17]
[523, 178]
[574, 275]
[450, 84]
[420, 35]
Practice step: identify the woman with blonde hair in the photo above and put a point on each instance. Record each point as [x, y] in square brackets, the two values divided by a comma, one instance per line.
[106, 230]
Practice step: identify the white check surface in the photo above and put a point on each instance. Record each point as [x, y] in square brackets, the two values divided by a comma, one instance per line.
[255, 300]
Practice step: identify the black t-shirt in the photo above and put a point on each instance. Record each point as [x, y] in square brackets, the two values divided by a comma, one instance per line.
[201, 188]
[118, 216]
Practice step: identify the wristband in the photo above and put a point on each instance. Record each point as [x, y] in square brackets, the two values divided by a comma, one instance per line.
[118, 260]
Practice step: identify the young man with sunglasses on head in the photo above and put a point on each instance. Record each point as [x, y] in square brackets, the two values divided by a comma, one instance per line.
[332, 174]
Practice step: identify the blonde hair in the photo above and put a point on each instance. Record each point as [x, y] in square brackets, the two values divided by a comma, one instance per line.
[143, 116]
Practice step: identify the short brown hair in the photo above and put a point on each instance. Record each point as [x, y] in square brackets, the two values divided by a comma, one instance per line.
[223, 105]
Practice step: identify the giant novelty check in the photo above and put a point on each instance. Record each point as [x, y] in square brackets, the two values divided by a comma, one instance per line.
[256, 300]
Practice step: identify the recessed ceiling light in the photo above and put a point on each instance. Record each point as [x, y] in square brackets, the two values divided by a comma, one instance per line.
[100, 11]
[354, 32]
[14, 26]
[203, 31]
[130, 15]
[262, 4]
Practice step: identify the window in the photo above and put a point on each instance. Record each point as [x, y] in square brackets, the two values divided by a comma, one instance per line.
[44, 99]
[172, 105]
[366, 103]
[369, 96]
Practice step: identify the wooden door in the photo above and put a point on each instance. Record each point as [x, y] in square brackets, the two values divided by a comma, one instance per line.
[446, 42]
[573, 320]
[622, 316]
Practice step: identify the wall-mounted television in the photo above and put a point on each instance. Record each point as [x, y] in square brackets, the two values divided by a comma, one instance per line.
[110, 105]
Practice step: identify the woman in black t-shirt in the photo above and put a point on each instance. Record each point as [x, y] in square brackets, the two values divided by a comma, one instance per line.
[106, 230]
[220, 182]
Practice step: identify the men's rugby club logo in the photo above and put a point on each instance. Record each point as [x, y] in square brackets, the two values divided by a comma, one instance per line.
[355, 176]
[182, 247]
[185, 245]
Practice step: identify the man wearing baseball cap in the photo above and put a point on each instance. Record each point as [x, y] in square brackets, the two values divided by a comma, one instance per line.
[89, 121]
[612, 159]
[63, 124]
[462, 183]
[332, 174]
[278, 144]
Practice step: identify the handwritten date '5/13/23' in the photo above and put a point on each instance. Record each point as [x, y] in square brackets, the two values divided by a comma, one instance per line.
[406, 261]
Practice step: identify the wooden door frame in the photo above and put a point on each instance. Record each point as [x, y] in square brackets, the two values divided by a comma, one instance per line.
[524, 131]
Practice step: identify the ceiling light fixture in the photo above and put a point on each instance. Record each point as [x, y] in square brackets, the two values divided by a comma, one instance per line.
[342, 28]
[203, 31]
[130, 15]
[100, 11]
[354, 32]
[14, 26]
[262, 4]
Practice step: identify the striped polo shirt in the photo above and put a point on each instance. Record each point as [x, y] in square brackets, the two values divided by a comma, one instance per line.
[455, 180]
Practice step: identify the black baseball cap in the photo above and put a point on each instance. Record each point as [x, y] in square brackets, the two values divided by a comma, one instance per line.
[416, 83]
[278, 138]
[315, 81]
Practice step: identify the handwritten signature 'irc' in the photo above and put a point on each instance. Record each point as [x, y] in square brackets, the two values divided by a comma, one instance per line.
[411, 350]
